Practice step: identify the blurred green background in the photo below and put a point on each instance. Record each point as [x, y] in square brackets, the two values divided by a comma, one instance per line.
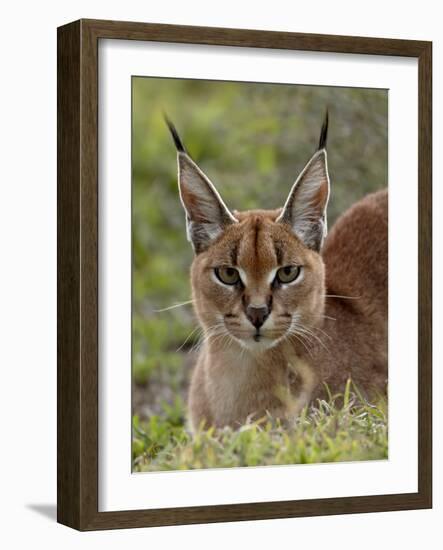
[252, 140]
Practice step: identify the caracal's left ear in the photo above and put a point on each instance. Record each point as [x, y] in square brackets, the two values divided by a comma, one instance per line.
[305, 207]
[207, 216]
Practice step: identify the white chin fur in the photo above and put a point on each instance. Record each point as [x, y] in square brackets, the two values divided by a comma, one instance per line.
[257, 347]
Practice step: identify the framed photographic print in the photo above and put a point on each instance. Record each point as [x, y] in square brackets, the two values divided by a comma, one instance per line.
[244, 318]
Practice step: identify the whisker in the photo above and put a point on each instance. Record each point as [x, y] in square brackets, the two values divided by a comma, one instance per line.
[203, 333]
[299, 330]
[174, 306]
[213, 331]
[322, 344]
[312, 327]
[305, 329]
[226, 340]
[339, 296]
[300, 339]
[187, 338]
[211, 338]
[242, 352]
[320, 341]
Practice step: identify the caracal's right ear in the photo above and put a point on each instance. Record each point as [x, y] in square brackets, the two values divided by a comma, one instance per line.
[206, 214]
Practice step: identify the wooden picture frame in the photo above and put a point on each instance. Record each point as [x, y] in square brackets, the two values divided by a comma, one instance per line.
[77, 456]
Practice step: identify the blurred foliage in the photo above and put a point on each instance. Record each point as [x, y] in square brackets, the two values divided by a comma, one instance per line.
[324, 432]
[252, 140]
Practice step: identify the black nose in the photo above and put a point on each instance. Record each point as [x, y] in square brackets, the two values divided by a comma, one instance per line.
[257, 315]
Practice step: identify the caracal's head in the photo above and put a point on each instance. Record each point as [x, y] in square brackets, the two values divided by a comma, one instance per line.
[257, 276]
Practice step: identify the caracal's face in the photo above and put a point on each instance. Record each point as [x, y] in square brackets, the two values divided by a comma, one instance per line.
[257, 284]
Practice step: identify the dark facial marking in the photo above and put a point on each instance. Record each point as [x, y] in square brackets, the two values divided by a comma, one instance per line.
[257, 230]
[234, 253]
[278, 248]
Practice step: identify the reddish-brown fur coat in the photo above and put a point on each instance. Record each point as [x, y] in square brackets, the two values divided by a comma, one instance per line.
[356, 260]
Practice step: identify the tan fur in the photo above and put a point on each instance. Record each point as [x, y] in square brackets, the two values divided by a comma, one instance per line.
[347, 337]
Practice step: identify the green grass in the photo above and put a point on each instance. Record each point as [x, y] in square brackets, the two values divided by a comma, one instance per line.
[343, 428]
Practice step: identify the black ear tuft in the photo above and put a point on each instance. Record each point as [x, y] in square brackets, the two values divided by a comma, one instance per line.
[324, 132]
[178, 142]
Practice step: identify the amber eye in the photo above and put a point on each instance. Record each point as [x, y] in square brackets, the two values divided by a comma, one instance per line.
[227, 275]
[288, 274]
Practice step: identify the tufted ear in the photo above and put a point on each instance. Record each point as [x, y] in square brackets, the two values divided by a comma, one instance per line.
[206, 214]
[305, 207]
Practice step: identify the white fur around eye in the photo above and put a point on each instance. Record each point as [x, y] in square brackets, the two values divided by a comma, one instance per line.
[243, 276]
[271, 276]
